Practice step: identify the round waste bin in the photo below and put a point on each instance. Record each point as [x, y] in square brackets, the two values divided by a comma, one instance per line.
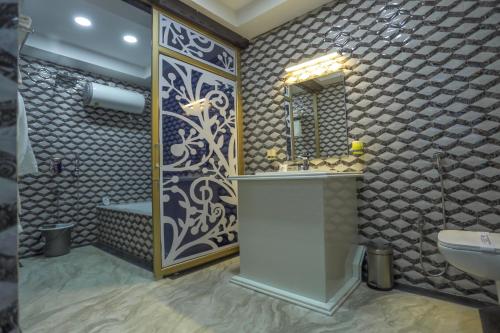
[57, 238]
[380, 273]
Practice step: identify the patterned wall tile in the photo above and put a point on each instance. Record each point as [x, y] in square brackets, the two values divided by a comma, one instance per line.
[114, 149]
[421, 77]
[332, 121]
[129, 233]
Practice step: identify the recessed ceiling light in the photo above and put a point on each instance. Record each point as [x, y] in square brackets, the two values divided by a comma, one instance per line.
[83, 21]
[130, 39]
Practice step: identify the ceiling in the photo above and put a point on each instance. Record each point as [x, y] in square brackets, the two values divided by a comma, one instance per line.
[251, 18]
[99, 48]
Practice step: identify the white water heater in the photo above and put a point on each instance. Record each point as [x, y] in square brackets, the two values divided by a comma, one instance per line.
[99, 95]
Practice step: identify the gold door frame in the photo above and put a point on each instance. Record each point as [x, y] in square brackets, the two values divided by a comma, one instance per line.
[156, 151]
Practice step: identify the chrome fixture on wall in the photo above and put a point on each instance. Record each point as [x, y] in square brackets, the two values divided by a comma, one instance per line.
[56, 166]
[305, 162]
[437, 160]
[76, 177]
[76, 166]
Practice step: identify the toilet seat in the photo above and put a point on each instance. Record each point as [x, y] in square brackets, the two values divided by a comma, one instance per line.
[470, 241]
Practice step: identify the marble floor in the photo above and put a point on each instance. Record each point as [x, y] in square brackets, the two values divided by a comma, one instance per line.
[90, 290]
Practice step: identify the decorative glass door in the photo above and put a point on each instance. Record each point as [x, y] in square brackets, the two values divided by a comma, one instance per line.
[196, 152]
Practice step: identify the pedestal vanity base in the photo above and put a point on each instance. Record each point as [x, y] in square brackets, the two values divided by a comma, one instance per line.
[298, 237]
[327, 308]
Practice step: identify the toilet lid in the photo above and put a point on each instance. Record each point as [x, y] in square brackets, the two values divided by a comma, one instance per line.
[470, 240]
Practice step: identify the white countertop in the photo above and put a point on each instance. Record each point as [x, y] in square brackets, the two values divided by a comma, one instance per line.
[293, 175]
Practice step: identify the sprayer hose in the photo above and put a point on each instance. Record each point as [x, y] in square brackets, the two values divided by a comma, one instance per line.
[421, 223]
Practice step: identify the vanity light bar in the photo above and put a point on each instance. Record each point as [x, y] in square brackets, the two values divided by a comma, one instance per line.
[313, 70]
[312, 62]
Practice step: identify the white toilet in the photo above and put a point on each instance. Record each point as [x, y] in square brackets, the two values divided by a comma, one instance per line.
[474, 252]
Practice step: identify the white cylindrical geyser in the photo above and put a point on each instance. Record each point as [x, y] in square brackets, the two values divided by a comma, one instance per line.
[99, 95]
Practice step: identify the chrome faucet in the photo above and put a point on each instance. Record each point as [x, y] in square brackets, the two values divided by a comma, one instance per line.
[305, 162]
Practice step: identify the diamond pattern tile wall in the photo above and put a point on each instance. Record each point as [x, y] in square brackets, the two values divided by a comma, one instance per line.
[332, 121]
[114, 149]
[128, 233]
[421, 77]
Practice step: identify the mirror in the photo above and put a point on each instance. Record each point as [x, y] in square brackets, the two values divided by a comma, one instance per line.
[316, 120]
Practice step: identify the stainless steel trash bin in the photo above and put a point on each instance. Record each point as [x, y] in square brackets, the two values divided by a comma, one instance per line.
[57, 238]
[380, 272]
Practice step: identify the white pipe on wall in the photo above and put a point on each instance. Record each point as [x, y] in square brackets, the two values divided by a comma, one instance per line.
[99, 95]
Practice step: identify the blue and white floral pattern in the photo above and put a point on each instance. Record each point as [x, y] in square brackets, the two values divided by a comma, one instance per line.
[177, 37]
[198, 136]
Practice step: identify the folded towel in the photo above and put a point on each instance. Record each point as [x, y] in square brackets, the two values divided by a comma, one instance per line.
[26, 161]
